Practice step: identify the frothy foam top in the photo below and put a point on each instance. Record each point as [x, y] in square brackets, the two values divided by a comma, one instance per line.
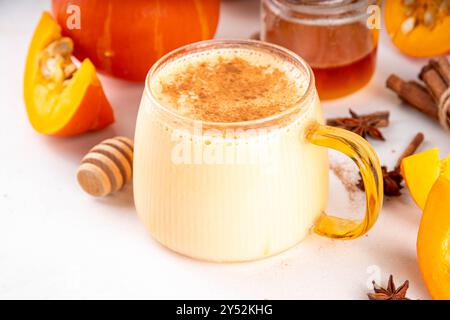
[229, 85]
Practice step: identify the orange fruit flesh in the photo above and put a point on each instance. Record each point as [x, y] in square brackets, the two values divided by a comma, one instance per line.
[420, 171]
[417, 39]
[62, 109]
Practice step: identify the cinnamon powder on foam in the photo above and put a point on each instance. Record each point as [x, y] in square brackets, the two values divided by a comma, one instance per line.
[226, 88]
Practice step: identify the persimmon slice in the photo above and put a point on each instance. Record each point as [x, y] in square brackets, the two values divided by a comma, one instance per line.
[419, 28]
[61, 98]
[433, 241]
[421, 171]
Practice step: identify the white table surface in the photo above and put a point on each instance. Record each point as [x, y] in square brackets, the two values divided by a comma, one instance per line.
[58, 242]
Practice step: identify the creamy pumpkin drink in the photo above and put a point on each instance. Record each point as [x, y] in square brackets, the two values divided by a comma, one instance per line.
[227, 165]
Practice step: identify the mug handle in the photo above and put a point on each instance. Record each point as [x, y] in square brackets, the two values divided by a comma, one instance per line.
[360, 151]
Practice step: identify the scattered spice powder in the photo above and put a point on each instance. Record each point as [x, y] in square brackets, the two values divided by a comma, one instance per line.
[344, 174]
[230, 88]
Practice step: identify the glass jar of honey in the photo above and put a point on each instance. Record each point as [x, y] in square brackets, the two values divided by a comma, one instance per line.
[334, 36]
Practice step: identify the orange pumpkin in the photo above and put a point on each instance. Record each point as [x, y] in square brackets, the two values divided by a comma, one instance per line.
[419, 28]
[124, 38]
[61, 99]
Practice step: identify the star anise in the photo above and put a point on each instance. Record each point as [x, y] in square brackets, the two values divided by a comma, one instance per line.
[390, 293]
[392, 180]
[364, 125]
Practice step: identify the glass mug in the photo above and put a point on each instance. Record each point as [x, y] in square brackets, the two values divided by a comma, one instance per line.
[229, 211]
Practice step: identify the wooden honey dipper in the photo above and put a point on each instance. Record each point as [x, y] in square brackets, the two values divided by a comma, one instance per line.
[107, 167]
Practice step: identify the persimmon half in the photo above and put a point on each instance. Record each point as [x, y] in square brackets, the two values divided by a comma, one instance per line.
[125, 38]
[419, 28]
[61, 98]
[433, 241]
[420, 172]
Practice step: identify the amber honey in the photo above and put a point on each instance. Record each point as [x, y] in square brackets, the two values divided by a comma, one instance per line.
[339, 81]
[331, 35]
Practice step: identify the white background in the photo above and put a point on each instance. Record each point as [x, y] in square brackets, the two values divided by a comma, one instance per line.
[58, 242]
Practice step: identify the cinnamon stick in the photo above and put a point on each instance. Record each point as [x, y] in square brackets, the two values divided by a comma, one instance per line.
[442, 65]
[414, 94]
[410, 149]
[426, 99]
[435, 83]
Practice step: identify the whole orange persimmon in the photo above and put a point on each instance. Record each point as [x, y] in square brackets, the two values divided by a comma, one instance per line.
[124, 38]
